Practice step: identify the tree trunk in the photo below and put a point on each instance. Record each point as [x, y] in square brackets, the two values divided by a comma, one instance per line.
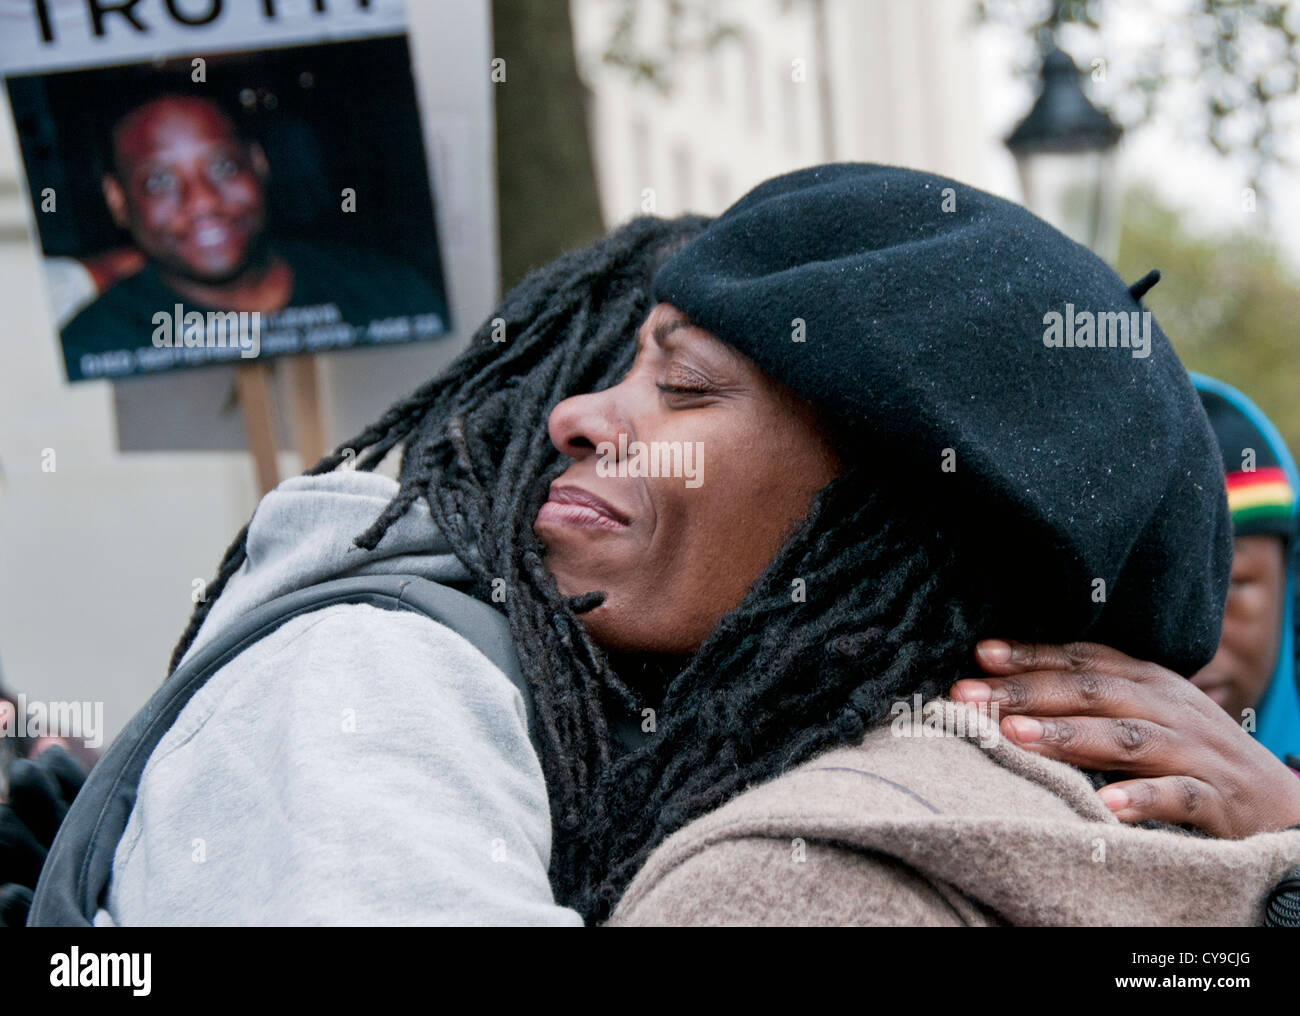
[545, 177]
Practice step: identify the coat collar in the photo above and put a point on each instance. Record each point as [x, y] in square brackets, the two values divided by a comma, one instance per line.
[1024, 838]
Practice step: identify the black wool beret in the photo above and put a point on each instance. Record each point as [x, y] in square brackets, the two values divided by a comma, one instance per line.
[995, 373]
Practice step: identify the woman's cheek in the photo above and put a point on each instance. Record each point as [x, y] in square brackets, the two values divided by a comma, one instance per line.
[1248, 604]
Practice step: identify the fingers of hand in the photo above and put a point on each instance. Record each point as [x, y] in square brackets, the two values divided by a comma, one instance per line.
[1091, 742]
[1055, 693]
[1174, 799]
[998, 656]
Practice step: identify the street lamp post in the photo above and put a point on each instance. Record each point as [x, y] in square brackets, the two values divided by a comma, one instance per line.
[1065, 154]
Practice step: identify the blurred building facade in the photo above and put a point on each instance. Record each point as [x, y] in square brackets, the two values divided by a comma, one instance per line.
[801, 82]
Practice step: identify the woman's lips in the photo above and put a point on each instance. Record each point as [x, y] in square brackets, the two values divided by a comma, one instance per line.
[573, 506]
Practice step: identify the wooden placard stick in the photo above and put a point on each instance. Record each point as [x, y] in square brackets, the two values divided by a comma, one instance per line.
[308, 426]
[255, 406]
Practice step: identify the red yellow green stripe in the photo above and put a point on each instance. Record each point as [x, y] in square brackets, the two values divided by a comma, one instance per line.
[1259, 494]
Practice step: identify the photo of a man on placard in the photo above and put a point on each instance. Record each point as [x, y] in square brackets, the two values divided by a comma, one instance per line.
[190, 189]
[234, 214]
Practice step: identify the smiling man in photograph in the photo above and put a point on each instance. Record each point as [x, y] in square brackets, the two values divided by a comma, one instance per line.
[190, 188]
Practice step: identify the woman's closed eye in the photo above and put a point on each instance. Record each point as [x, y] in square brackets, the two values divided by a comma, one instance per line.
[684, 381]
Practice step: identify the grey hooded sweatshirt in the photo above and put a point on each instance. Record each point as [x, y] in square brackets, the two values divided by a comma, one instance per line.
[358, 766]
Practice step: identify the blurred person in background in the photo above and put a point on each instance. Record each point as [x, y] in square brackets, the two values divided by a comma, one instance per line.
[15, 745]
[39, 779]
[1254, 668]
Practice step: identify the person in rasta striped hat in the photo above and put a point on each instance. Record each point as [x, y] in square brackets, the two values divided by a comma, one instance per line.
[1254, 667]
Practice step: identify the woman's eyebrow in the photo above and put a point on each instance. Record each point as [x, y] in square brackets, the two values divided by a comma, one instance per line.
[662, 331]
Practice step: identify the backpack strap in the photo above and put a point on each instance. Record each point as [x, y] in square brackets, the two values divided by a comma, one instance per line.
[79, 865]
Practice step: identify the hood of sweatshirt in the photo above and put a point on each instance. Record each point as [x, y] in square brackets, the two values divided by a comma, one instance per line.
[302, 533]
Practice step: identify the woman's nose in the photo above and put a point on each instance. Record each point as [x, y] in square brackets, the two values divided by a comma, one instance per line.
[580, 424]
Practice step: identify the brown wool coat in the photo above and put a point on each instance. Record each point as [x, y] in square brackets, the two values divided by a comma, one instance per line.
[940, 830]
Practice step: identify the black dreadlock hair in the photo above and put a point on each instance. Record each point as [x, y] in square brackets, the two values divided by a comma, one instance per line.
[886, 611]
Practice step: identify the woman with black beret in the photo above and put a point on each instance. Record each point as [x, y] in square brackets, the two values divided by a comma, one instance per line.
[973, 474]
